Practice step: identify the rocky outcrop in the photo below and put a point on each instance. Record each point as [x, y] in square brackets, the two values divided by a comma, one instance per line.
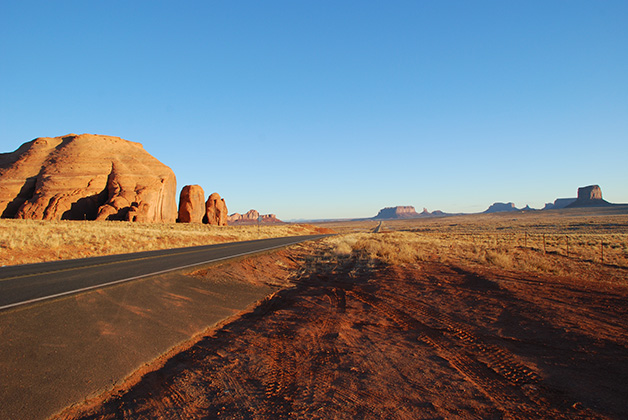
[590, 193]
[589, 196]
[399, 212]
[252, 217]
[86, 177]
[192, 204]
[559, 203]
[499, 207]
[216, 210]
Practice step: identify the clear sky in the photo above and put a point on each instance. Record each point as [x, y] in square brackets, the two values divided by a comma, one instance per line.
[333, 109]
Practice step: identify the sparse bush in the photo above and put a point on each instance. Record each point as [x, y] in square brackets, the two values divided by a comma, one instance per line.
[389, 248]
[498, 257]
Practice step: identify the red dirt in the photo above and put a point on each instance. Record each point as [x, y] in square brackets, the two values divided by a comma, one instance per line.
[427, 341]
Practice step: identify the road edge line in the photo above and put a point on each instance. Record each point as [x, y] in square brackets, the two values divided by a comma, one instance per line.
[85, 289]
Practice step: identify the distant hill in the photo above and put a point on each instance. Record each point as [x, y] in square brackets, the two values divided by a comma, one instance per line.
[252, 217]
[398, 212]
[589, 196]
[405, 212]
[499, 207]
[559, 203]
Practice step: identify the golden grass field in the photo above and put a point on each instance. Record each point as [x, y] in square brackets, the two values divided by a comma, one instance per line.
[556, 242]
[31, 241]
[500, 318]
[478, 316]
[560, 242]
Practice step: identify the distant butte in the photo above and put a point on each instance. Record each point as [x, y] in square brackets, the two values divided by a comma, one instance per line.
[398, 212]
[405, 212]
[252, 217]
[499, 207]
[559, 203]
[589, 196]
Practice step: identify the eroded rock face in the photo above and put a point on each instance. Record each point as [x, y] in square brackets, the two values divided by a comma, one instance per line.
[216, 210]
[559, 203]
[398, 212]
[499, 207]
[592, 192]
[589, 196]
[252, 217]
[86, 177]
[192, 204]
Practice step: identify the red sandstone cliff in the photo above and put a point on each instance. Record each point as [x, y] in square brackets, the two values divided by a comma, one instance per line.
[86, 176]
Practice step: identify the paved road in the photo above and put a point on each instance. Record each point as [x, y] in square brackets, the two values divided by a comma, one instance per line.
[30, 283]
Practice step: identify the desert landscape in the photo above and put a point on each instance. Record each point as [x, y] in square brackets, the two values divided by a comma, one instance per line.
[314, 210]
[478, 316]
[509, 313]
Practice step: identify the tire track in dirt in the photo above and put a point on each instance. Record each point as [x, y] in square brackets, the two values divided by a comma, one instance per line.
[520, 377]
[324, 357]
[355, 340]
[515, 388]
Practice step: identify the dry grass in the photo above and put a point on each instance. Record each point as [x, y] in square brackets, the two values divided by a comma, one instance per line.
[555, 243]
[390, 248]
[29, 241]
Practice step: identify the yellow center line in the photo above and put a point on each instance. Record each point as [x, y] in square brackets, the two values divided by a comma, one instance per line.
[112, 263]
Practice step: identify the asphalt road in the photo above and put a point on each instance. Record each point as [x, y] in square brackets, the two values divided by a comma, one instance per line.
[24, 284]
[378, 228]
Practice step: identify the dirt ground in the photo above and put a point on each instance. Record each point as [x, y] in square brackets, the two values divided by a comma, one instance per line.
[349, 339]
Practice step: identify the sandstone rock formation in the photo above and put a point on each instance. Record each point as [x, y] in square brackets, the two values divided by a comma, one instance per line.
[216, 210]
[192, 204]
[435, 213]
[559, 203]
[592, 192]
[86, 177]
[252, 217]
[589, 196]
[499, 207]
[399, 212]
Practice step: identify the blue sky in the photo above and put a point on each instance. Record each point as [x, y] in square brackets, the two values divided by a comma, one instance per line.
[328, 109]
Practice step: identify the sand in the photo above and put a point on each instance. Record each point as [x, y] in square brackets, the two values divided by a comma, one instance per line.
[431, 340]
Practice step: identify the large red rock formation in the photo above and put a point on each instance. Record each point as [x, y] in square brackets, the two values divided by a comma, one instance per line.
[592, 192]
[589, 196]
[87, 177]
[216, 210]
[192, 204]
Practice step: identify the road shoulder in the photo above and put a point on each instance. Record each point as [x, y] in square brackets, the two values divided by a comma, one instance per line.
[60, 352]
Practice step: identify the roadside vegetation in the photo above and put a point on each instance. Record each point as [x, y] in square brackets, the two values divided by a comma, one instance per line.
[30, 241]
[593, 247]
